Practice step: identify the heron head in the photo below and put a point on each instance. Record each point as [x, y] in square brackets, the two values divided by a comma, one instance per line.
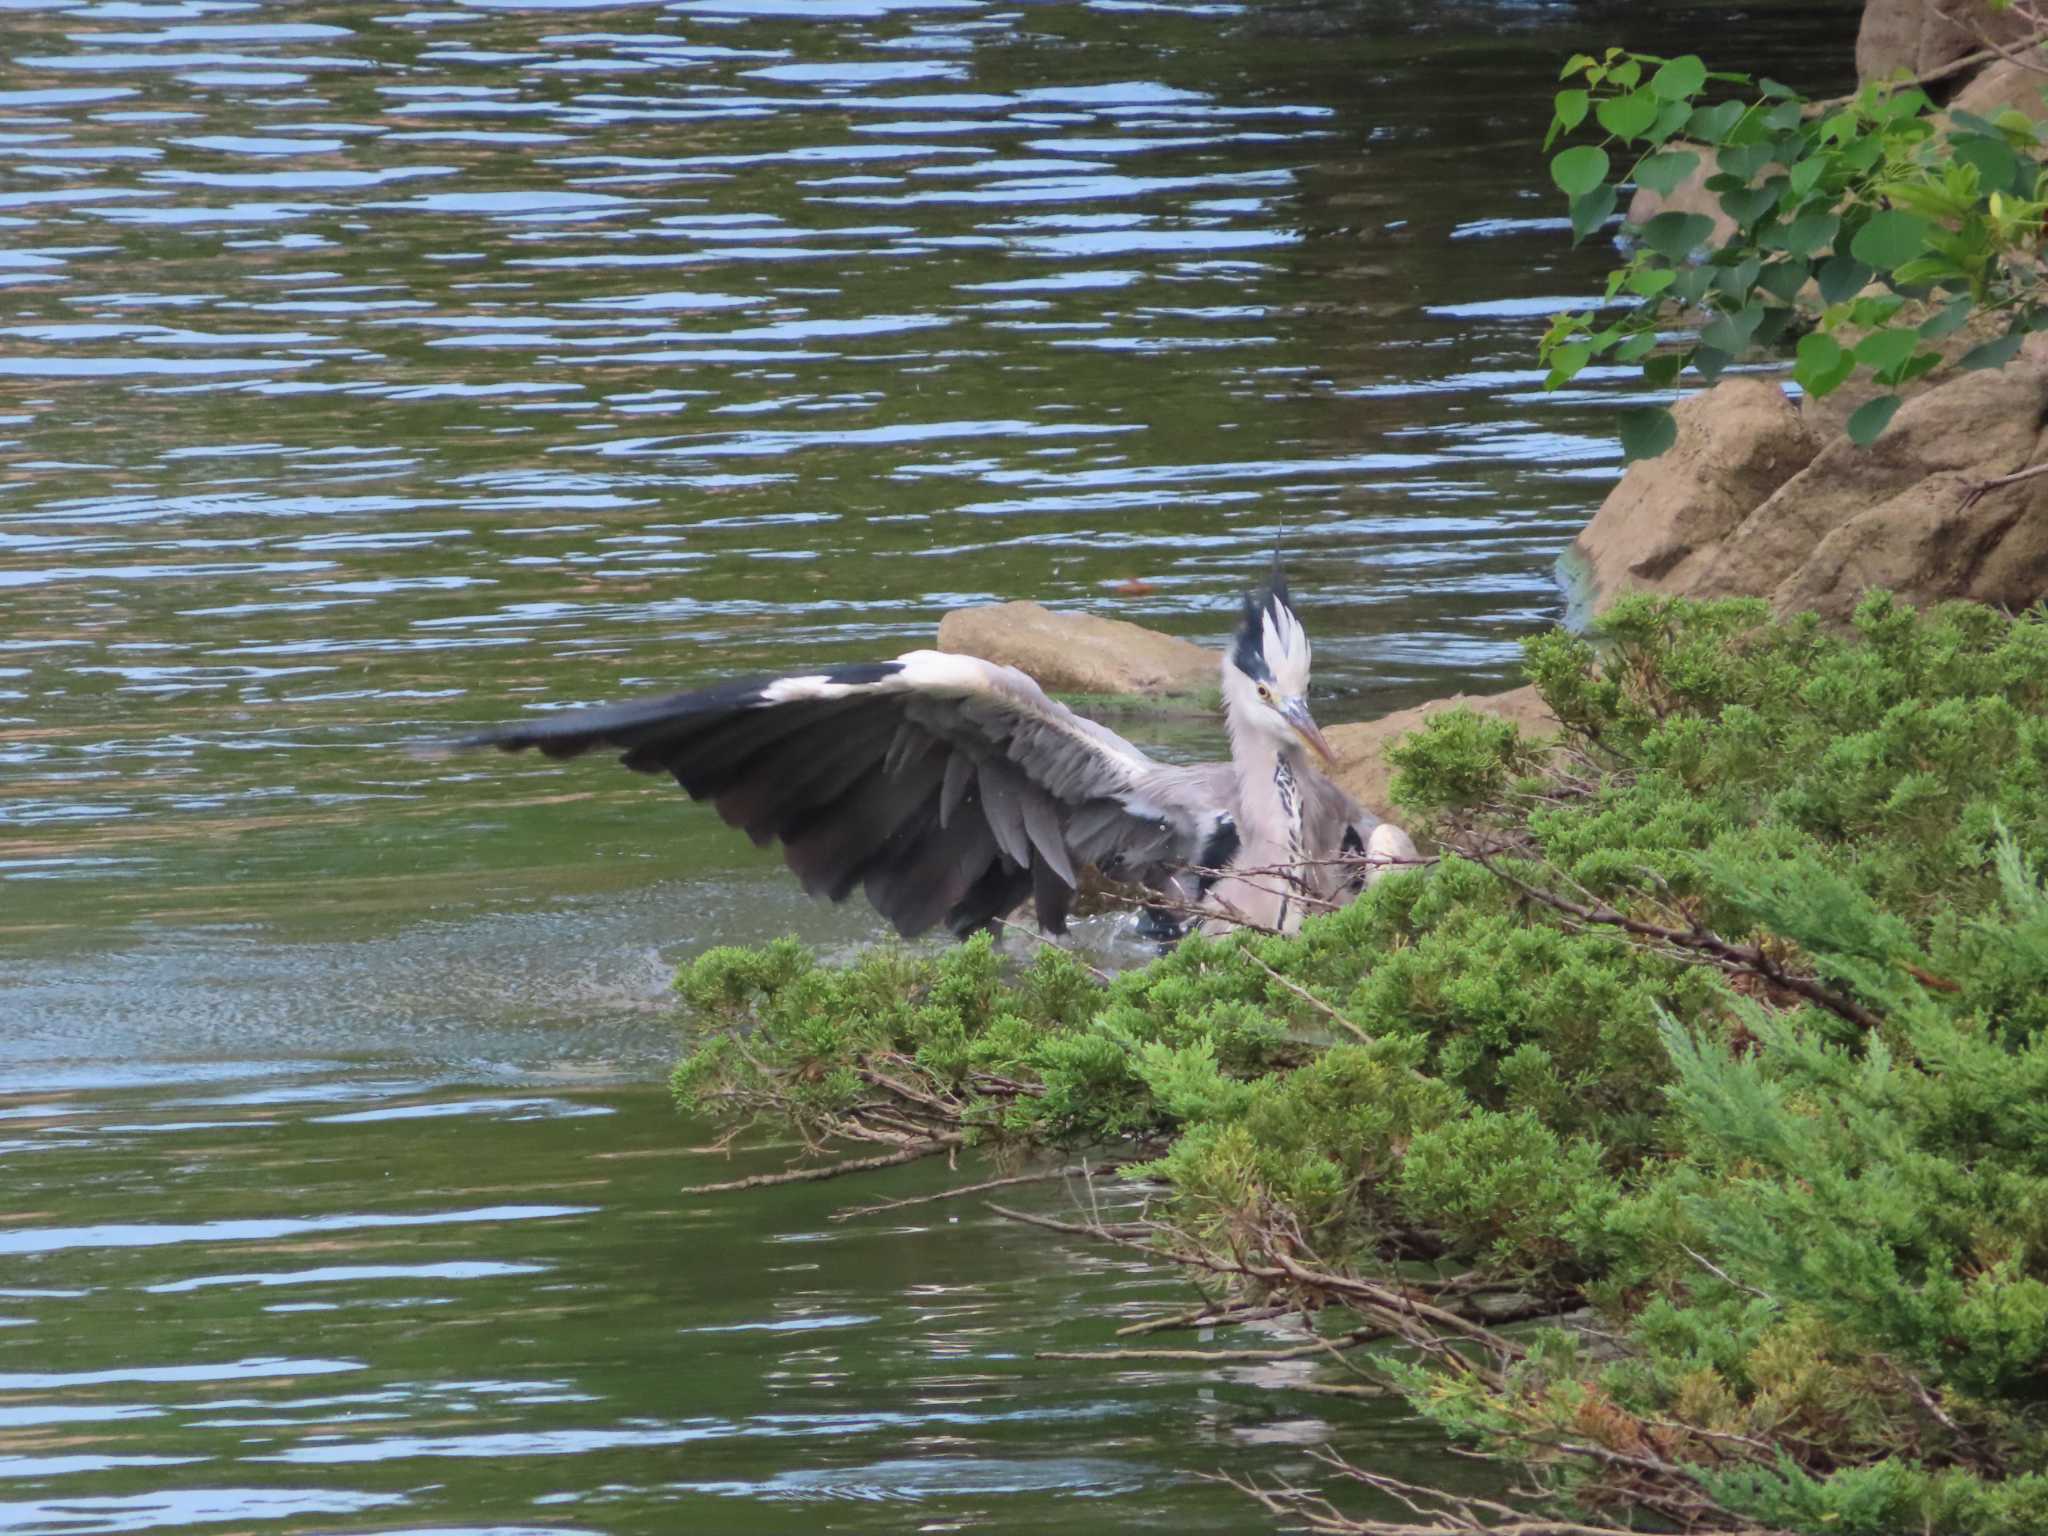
[1265, 673]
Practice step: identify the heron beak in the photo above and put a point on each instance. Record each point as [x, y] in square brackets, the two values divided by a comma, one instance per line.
[1295, 713]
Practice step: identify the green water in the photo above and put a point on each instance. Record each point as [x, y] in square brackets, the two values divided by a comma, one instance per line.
[367, 372]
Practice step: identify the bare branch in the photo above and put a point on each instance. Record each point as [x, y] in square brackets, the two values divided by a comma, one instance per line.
[908, 1154]
[969, 1189]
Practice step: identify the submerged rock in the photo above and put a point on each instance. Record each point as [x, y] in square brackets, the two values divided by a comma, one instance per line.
[1079, 652]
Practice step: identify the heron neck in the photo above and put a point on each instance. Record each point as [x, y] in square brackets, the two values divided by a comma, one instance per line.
[1269, 780]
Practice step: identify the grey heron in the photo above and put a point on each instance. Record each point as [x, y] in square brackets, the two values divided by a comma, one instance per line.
[951, 789]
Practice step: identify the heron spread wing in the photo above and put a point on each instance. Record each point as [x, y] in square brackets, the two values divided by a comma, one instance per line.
[948, 788]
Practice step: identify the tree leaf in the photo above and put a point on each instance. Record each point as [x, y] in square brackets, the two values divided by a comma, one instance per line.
[1811, 231]
[1730, 333]
[1650, 281]
[1783, 279]
[1662, 173]
[1593, 209]
[1871, 418]
[1671, 117]
[1922, 270]
[1822, 366]
[1771, 329]
[1676, 235]
[1565, 363]
[1712, 125]
[1752, 203]
[1678, 78]
[1736, 279]
[1636, 347]
[1884, 351]
[1690, 286]
[1744, 160]
[1627, 117]
[1646, 433]
[1841, 278]
[1661, 371]
[1992, 354]
[1710, 361]
[1579, 170]
[1951, 318]
[1570, 109]
[1890, 239]
[1997, 166]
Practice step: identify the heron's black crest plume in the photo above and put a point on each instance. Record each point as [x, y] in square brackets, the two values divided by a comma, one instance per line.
[1248, 647]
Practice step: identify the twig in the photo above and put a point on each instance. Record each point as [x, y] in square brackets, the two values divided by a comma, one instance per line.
[2003, 50]
[1051, 943]
[1983, 488]
[1954, 67]
[1182, 1356]
[909, 1154]
[1310, 998]
[1205, 1316]
[1125, 1234]
[1742, 958]
[1723, 1276]
[966, 1189]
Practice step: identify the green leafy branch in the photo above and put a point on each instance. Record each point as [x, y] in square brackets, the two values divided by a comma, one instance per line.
[1943, 213]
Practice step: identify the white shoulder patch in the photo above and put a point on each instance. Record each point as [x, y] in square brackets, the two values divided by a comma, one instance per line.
[944, 672]
[789, 690]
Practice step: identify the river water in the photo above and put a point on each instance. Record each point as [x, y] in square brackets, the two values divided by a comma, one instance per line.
[367, 372]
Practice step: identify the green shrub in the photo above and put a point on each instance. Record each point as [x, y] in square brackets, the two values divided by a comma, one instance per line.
[1720, 1033]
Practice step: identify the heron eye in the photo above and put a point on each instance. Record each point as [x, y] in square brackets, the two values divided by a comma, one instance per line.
[1265, 693]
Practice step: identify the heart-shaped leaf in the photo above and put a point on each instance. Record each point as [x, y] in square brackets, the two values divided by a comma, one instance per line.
[1710, 361]
[1592, 210]
[1712, 125]
[1783, 279]
[1650, 281]
[1992, 354]
[1661, 371]
[1678, 78]
[1627, 117]
[1565, 363]
[1890, 239]
[1569, 110]
[1811, 231]
[1578, 170]
[1676, 235]
[1744, 160]
[1646, 433]
[1730, 333]
[1771, 329]
[1871, 418]
[1752, 203]
[1662, 173]
[1997, 166]
[1690, 286]
[1841, 278]
[1671, 117]
[1949, 319]
[1884, 351]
